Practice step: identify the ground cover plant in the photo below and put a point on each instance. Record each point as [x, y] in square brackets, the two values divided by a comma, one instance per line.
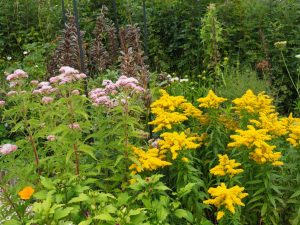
[149, 112]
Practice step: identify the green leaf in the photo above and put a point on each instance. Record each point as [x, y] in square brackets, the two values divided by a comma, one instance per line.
[264, 209]
[181, 213]
[88, 150]
[81, 198]
[296, 194]
[86, 222]
[62, 213]
[185, 190]
[104, 217]
[12, 222]
[47, 183]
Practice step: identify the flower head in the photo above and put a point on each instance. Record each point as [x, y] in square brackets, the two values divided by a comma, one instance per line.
[226, 166]
[228, 197]
[26, 193]
[51, 137]
[177, 141]
[47, 100]
[211, 100]
[8, 148]
[281, 45]
[149, 160]
[74, 126]
[252, 103]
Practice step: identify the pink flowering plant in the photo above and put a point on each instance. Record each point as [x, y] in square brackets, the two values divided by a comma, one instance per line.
[74, 148]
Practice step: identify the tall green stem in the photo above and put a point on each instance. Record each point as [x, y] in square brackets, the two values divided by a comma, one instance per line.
[296, 88]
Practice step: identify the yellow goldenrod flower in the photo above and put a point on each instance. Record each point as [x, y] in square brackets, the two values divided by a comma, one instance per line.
[26, 193]
[226, 166]
[256, 138]
[251, 103]
[289, 121]
[149, 160]
[228, 197]
[165, 112]
[294, 135]
[185, 159]
[190, 110]
[166, 102]
[177, 142]
[220, 215]
[271, 123]
[249, 138]
[211, 100]
[167, 120]
[265, 154]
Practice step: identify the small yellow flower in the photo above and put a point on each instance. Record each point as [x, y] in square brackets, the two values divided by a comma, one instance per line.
[252, 103]
[220, 215]
[185, 159]
[226, 166]
[229, 197]
[294, 135]
[178, 141]
[26, 193]
[149, 160]
[211, 100]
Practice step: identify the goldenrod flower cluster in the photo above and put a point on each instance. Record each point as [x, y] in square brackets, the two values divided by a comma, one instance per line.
[251, 103]
[264, 153]
[249, 138]
[167, 120]
[171, 110]
[190, 110]
[256, 138]
[294, 135]
[149, 160]
[211, 100]
[289, 121]
[226, 166]
[177, 141]
[227, 197]
[271, 123]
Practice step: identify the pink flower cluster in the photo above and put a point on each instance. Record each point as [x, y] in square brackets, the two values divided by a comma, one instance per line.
[7, 149]
[74, 126]
[2, 103]
[129, 82]
[51, 137]
[47, 100]
[17, 75]
[103, 96]
[11, 93]
[67, 75]
[44, 87]
[75, 92]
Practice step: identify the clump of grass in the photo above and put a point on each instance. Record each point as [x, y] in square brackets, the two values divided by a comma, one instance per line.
[239, 80]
